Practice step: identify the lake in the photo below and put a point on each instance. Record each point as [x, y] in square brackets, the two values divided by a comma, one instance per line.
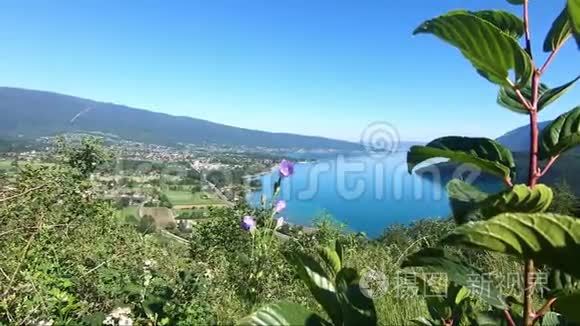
[365, 193]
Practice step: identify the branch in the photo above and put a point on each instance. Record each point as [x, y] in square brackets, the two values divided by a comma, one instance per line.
[545, 308]
[509, 318]
[552, 55]
[549, 165]
[521, 97]
[23, 256]
[22, 193]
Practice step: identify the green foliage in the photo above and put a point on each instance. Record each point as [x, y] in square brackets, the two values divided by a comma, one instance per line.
[147, 224]
[520, 198]
[511, 221]
[438, 261]
[508, 98]
[282, 313]
[69, 256]
[560, 31]
[334, 287]
[85, 157]
[573, 7]
[486, 154]
[565, 201]
[455, 306]
[491, 51]
[561, 135]
[465, 201]
[505, 21]
[551, 95]
[548, 238]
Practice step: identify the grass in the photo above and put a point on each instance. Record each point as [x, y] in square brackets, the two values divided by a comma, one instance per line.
[188, 198]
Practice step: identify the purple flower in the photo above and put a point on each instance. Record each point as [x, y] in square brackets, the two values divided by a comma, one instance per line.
[280, 206]
[279, 222]
[248, 223]
[286, 168]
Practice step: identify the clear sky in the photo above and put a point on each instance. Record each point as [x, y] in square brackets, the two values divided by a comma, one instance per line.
[315, 67]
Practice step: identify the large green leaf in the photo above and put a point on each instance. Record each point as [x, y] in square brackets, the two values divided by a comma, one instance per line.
[548, 238]
[487, 154]
[505, 21]
[357, 309]
[551, 319]
[508, 98]
[518, 199]
[491, 51]
[465, 200]
[470, 204]
[282, 313]
[550, 95]
[436, 260]
[559, 32]
[339, 248]
[574, 16]
[319, 284]
[331, 260]
[568, 304]
[561, 135]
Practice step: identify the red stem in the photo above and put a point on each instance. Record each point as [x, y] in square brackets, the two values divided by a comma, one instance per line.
[549, 165]
[529, 282]
[534, 132]
[545, 308]
[509, 318]
[551, 57]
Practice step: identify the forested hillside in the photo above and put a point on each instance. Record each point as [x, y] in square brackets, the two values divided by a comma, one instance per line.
[31, 114]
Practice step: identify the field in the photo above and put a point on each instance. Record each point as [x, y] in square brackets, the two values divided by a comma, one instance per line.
[186, 198]
[5, 164]
[163, 216]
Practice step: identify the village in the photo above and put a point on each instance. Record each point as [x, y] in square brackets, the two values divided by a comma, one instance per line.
[161, 188]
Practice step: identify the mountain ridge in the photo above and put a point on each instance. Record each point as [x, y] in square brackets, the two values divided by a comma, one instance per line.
[33, 113]
[518, 139]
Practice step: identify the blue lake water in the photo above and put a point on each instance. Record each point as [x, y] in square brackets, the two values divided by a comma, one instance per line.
[367, 194]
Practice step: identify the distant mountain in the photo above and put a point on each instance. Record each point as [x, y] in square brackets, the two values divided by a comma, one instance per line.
[30, 114]
[518, 140]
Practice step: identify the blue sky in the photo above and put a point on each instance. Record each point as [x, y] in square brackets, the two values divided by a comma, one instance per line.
[315, 67]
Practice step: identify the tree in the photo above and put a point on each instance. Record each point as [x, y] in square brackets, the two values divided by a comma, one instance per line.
[148, 224]
[85, 157]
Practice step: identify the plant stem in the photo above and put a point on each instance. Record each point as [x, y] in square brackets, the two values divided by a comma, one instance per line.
[533, 174]
[534, 134]
[527, 28]
[529, 284]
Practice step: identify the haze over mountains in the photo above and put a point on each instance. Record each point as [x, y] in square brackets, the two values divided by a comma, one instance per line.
[30, 114]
